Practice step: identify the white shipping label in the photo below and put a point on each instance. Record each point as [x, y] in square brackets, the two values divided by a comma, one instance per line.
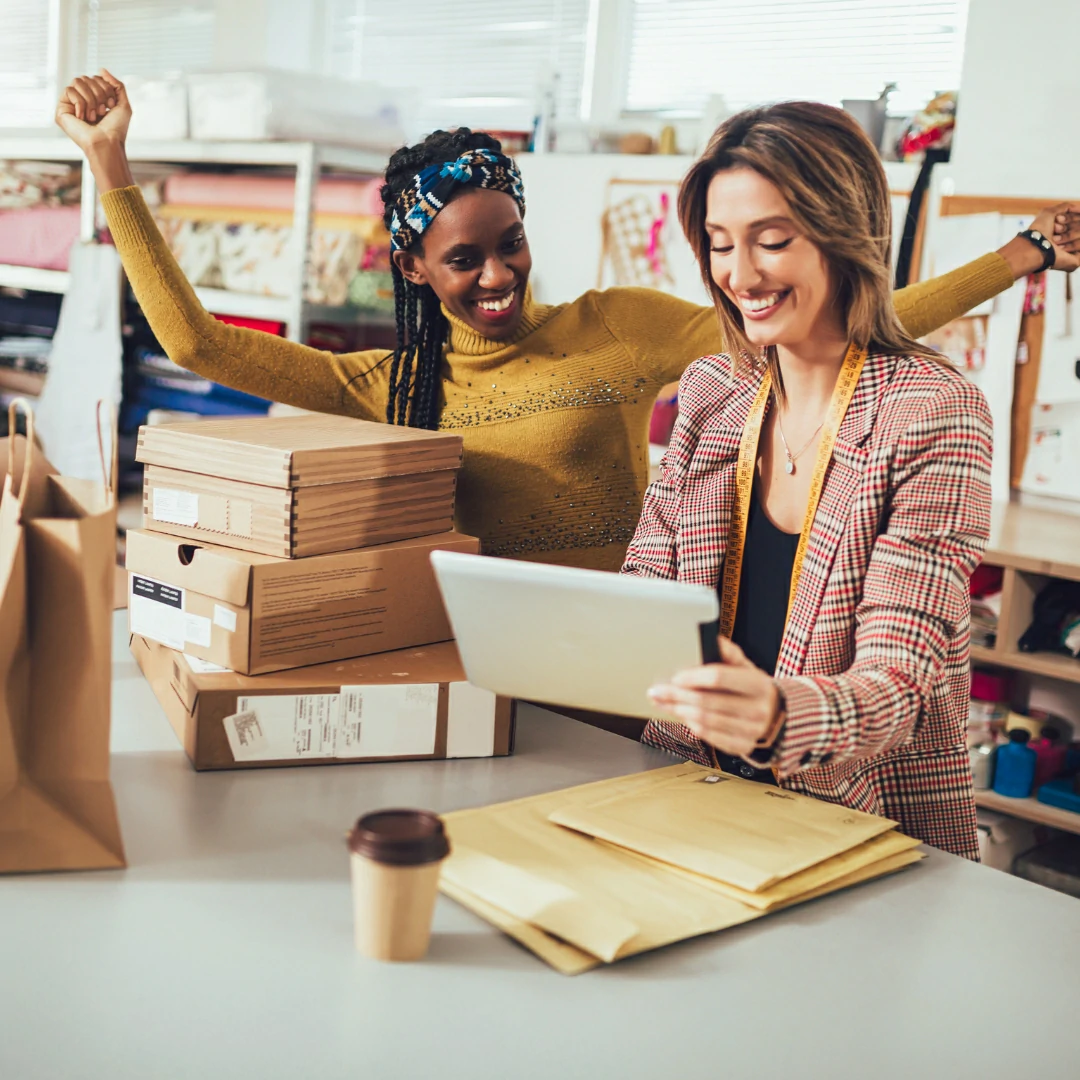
[225, 618]
[204, 667]
[295, 726]
[175, 507]
[246, 737]
[388, 721]
[156, 611]
[197, 629]
[470, 721]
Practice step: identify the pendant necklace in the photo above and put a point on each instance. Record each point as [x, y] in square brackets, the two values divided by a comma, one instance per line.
[789, 465]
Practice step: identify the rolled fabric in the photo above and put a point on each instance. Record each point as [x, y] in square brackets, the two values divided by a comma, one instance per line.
[333, 195]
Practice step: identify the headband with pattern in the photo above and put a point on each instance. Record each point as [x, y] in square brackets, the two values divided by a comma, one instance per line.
[431, 189]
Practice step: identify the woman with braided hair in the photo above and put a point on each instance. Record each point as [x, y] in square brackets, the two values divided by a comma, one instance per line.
[553, 402]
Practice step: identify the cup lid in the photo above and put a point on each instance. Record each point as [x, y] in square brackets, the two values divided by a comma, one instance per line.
[400, 837]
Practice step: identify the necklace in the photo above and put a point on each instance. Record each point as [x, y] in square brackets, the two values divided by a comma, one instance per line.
[789, 465]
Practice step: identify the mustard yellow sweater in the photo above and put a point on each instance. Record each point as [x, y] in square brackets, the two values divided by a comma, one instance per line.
[555, 422]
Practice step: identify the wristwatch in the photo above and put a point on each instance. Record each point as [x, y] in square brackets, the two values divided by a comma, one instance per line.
[1035, 237]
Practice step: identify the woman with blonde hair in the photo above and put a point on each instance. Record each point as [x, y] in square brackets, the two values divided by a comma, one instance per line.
[553, 402]
[830, 476]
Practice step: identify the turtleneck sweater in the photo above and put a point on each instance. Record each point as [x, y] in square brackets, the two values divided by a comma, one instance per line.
[554, 420]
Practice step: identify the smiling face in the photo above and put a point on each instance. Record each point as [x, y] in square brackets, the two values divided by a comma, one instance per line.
[476, 258]
[775, 277]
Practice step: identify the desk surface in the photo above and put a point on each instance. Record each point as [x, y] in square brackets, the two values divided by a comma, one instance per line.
[225, 949]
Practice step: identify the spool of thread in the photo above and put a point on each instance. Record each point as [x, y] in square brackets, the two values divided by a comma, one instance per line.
[1019, 722]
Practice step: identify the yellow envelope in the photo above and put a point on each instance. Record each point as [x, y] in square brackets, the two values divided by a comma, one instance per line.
[569, 960]
[562, 957]
[808, 883]
[744, 834]
[576, 901]
[598, 898]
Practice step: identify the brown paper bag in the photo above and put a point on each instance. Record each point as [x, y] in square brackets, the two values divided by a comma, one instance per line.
[57, 554]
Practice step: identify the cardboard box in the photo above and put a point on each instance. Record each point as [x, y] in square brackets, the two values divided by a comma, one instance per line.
[253, 613]
[406, 705]
[294, 486]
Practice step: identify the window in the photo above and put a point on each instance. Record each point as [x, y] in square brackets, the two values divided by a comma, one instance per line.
[485, 63]
[683, 51]
[146, 37]
[28, 62]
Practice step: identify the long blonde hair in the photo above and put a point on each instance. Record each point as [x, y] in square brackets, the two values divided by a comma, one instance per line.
[833, 180]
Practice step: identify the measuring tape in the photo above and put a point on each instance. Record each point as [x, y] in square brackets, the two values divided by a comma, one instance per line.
[744, 482]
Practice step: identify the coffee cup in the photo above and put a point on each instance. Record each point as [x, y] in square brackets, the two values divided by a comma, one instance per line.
[396, 856]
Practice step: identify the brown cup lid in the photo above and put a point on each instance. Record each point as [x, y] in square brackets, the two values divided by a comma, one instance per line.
[400, 837]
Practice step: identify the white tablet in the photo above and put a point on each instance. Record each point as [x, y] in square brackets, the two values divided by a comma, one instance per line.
[582, 638]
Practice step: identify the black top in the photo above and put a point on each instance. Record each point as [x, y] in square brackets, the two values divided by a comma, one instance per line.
[768, 559]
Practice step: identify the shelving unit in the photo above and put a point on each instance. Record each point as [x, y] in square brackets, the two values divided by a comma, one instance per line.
[1032, 546]
[306, 158]
[1029, 810]
[29, 277]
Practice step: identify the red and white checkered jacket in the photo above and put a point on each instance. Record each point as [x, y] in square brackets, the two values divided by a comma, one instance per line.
[874, 661]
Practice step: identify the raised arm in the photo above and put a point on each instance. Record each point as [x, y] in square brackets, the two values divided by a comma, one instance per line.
[925, 306]
[94, 112]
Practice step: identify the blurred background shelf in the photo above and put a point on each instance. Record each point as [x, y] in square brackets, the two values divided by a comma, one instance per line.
[29, 277]
[1029, 810]
[1050, 665]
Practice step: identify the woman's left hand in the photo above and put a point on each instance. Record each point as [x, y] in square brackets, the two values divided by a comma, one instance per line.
[732, 705]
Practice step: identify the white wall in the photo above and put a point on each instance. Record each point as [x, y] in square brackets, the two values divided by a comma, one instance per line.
[565, 200]
[1016, 125]
[566, 197]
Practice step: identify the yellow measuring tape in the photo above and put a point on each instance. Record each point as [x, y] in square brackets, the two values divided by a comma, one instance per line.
[744, 482]
[846, 382]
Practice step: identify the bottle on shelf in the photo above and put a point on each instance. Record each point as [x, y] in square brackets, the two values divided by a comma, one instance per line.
[982, 765]
[1050, 755]
[1014, 767]
[989, 707]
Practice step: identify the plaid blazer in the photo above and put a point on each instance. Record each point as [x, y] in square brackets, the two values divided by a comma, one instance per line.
[874, 661]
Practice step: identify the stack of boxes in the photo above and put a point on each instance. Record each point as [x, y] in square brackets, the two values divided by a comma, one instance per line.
[282, 601]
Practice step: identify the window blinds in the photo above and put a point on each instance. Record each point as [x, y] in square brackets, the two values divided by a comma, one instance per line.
[683, 51]
[482, 63]
[146, 37]
[28, 64]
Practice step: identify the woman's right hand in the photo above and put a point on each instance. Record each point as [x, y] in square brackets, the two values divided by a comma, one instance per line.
[94, 109]
[94, 112]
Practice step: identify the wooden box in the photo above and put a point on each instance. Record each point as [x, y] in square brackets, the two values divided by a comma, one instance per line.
[410, 704]
[293, 486]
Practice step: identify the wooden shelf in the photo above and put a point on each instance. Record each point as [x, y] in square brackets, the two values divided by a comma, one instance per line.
[29, 277]
[244, 305]
[1034, 541]
[278, 309]
[1029, 810]
[1052, 665]
[19, 146]
[981, 654]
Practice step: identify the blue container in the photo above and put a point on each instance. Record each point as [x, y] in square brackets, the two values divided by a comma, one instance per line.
[1014, 769]
[1060, 793]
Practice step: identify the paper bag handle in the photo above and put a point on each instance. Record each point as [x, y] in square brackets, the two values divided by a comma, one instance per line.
[111, 472]
[28, 457]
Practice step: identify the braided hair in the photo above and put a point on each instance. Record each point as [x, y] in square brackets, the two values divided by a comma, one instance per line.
[421, 326]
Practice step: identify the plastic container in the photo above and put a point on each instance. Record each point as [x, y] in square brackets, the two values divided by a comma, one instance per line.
[1050, 756]
[982, 766]
[1062, 794]
[1014, 768]
[989, 707]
